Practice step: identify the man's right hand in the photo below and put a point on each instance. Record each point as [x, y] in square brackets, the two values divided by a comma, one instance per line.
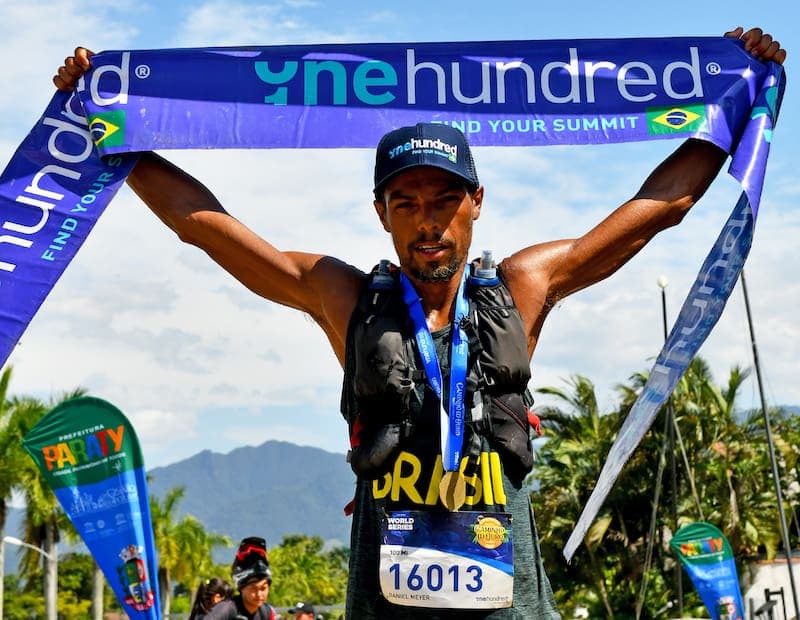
[73, 69]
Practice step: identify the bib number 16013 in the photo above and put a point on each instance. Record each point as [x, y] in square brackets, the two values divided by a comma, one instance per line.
[433, 577]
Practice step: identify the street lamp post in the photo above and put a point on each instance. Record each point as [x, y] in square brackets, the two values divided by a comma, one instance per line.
[13, 540]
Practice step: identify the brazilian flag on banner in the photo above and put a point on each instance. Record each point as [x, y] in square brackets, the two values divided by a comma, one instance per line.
[706, 555]
[89, 454]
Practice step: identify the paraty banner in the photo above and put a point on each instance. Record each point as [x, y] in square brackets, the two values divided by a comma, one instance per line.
[707, 557]
[89, 454]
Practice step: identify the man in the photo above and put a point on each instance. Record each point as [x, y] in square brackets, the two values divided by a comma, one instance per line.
[304, 611]
[384, 335]
[252, 577]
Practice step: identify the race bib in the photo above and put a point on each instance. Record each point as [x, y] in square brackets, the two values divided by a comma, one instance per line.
[453, 560]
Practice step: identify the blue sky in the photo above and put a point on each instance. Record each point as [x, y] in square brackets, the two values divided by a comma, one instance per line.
[198, 362]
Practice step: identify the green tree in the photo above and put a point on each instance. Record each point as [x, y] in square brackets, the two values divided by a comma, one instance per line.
[303, 570]
[727, 458]
[75, 585]
[41, 508]
[23, 601]
[578, 438]
[197, 545]
[184, 547]
[44, 518]
[12, 457]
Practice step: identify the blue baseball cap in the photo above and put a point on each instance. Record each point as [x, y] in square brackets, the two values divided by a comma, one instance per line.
[424, 144]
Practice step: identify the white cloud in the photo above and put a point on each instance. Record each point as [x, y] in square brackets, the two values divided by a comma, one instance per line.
[40, 38]
[220, 22]
[164, 435]
[158, 329]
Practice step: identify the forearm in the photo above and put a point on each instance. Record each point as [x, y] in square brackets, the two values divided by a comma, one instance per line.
[681, 179]
[663, 200]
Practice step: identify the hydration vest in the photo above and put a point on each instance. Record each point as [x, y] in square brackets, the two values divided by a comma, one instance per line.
[384, 381]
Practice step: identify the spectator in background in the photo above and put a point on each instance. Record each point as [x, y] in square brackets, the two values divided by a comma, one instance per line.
[209, 593]
[304, 611]
[252, 575]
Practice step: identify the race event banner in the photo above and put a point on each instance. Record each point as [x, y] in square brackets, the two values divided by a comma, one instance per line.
[89, 454]
[707, 557]
[501, 93]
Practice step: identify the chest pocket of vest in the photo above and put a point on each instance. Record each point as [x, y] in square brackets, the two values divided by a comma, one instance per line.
[504, 356]
[383, 379]
[511, 433]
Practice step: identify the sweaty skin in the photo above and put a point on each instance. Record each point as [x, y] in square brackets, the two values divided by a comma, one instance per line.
[429, 215]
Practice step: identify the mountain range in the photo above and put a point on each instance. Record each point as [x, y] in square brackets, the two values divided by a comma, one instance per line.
[271, 490]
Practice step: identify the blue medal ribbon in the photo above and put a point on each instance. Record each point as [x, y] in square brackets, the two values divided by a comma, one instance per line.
[452, 417]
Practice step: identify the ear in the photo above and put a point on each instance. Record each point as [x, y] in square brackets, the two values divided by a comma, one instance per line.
[477, 202]
[380, 209]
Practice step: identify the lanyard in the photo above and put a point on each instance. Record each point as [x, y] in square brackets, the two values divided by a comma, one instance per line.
[452, 417]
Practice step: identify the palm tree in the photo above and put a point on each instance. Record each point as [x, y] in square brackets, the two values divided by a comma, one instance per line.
[184, 547]
[43, 517]
[41, 507]
[164, 524]
[578, 440]
[196, 546]
[726, 458]
[12, 457]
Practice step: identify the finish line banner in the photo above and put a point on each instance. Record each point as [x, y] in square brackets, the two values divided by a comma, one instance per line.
[89, 454]
[513, 93]
[499, 93]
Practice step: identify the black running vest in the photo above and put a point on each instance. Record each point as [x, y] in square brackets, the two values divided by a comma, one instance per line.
[385, 386]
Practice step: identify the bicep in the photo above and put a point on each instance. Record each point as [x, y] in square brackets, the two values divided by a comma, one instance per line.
[541, 275]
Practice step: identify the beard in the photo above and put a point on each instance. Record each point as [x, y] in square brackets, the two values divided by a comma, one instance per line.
[437, 272]
[442, 273]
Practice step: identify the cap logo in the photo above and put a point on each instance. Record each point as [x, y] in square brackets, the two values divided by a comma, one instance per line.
[426, 145]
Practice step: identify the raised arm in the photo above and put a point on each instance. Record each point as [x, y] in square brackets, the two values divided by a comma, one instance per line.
[321, 286]
[542, 274]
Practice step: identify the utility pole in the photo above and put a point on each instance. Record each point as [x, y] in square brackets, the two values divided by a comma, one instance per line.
[771, 447]
[670, 413]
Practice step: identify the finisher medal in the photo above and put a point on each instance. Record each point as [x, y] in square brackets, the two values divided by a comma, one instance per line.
[453, 490]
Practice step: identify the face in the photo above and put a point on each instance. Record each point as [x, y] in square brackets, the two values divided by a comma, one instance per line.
[429, 213]
[303, 615]
[254, 595]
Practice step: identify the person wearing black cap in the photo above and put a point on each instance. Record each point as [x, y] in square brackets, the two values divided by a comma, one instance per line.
[303, 611]
[252, 576]
[436, 354]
